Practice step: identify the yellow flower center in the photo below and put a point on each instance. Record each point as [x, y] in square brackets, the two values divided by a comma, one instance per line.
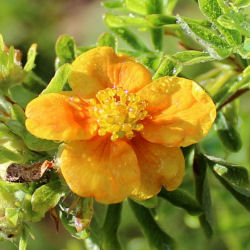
[118, 112]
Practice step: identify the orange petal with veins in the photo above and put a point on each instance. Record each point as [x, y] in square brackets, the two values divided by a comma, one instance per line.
[106, 170]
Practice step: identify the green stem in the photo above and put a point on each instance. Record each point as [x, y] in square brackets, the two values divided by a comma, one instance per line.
[110, 227]
[157, 238]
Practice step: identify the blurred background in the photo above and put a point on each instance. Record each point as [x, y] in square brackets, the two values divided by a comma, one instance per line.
[23, 22]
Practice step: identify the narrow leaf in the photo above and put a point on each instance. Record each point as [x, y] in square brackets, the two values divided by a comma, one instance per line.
[158, 20]
[23, 240]
[242, 3]
[212, 10]
[59, 80]
[190, 57]
[21, 95]
[118, 21]
[65, 49]
[181, 198]
[168, 67]
[30, 64]
[156, 237]
[47, 196]
[137, 6]
[110, 228]
[17, 113]
[233, 173]
[213, 43]
[114, 4]
[151, 61]
[203, 194]
[233, 178]
[130, 38]
[34, 83]
[228, 133]
[149, 203]
[106, 39]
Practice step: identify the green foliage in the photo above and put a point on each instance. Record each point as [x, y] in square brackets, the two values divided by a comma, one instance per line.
[106, 39]
[157, 238]
[65, 50]
[181, 198]
[218, 46]
[47, 196]
[203, 194]
[58, 82]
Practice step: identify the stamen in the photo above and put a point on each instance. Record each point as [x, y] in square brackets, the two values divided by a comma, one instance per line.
[118, 112]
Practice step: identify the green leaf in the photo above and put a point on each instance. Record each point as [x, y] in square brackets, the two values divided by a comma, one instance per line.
[242, 3]
[118, 5]
[168, 67]
[30, 64]
[137, 6]
[151, 61]
[155, 7]
[149, 203]
[203, 194]
[130, 38]
[156, 237]
[168, 6]
[68, 221]
[65, 49]
[244, 51]
[10, 155]
[110, 228]
[212, 10]
[233, 173]
[77, 218]
[231, 112]
[158, 20]
[118, 21]
[16, 127]
[17, 113]
[235, 21]
[228, 133]
[181, 198]
[32, 142]
[106, 39]
[13, 215]
[37, 144]
[34, 83]
[233, 178]
[5, 106]
[190, 57]
[213, 43]
[59, 80]
[47, 196]
[231, 87]
[21, 95]
[23, 240]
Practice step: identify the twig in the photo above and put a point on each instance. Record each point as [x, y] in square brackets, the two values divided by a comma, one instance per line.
[233, 97]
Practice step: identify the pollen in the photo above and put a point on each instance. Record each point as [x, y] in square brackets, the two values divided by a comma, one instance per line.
[118, 112]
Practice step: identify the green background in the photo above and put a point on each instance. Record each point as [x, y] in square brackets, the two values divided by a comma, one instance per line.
[23, 22]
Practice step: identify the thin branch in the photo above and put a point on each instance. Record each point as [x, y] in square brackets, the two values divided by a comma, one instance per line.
[233, 97]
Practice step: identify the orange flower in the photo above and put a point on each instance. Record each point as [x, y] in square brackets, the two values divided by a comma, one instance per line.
[122, 132]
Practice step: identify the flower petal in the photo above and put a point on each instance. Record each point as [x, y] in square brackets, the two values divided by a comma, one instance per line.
[100, 168]
[181, 112]
[100, 68]
[60, 116]
[159, 166]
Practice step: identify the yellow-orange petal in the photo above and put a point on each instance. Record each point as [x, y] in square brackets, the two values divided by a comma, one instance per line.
[100, 68]
[60, 116]
[159, 165]
[106, 170]
[181, 112]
